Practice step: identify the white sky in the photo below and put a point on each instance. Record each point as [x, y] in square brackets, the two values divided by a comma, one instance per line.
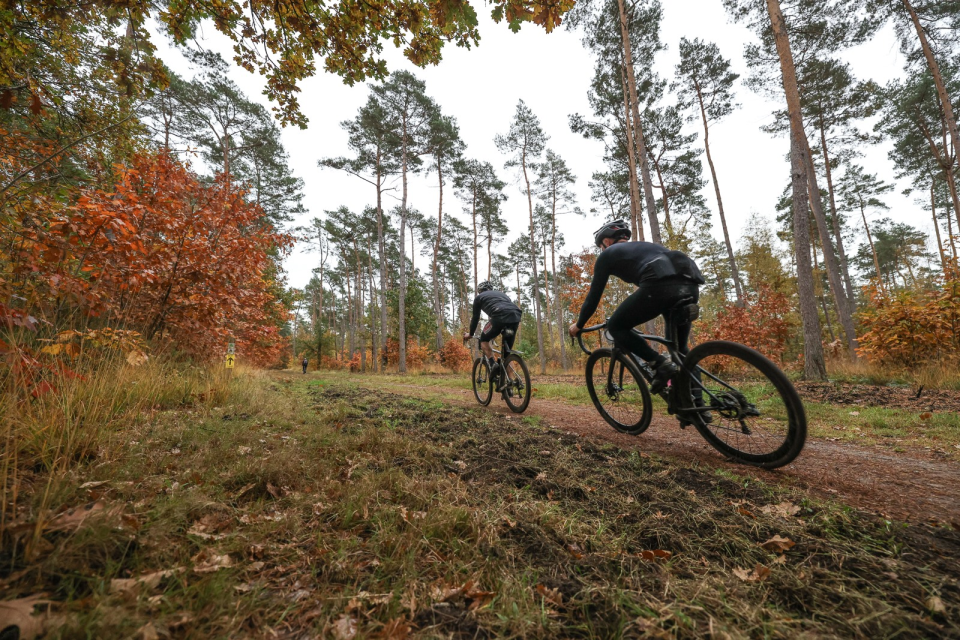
[551, 73]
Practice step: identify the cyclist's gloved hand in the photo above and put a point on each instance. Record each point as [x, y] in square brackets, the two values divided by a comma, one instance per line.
[574, 330]
[466, 337]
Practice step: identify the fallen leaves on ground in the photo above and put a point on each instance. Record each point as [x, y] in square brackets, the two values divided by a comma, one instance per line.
[778, 544]
[468, 591]
[147, 581]
[210, 527]
[552, 596]
[208, 561]
[396, 629]
[785, 509]
[935, 605]
[18, 614]
[345, 628]
[758, 574]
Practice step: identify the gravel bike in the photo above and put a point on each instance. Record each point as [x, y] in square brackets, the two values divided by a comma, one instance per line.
[739, 401]
[507, 375]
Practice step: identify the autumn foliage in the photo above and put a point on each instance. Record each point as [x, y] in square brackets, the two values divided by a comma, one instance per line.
[454, 355]
[911, 328]
[183, 262]
[762, 323]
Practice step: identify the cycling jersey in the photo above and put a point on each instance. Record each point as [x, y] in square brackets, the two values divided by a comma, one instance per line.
[498, 308]
[637, 263]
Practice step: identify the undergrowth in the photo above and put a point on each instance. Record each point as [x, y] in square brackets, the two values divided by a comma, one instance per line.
[288, 509]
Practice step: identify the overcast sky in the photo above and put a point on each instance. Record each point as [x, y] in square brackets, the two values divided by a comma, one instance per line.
[551, 73]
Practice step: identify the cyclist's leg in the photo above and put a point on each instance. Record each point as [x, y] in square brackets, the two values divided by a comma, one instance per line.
[490, 331]
[510, 333]
[641, 306]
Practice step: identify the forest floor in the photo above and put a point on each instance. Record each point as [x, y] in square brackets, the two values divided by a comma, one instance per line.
[350, 506]
[870, 446]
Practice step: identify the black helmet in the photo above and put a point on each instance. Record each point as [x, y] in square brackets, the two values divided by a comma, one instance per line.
[484, 286]
[616, 229]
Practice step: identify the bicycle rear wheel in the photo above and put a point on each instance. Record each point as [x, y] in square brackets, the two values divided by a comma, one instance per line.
[621, 394]
[482, 384]
[758, 417]
[516, 386]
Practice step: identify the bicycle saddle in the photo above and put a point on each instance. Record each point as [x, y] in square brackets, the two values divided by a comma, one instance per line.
[684, 312]
[508, 333]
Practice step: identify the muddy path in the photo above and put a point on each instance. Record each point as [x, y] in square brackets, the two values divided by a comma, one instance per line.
[907, 486]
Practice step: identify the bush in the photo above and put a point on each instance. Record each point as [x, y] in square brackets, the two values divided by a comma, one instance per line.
[762, 323]
[416, 354]
[455, 355]
[907, 329]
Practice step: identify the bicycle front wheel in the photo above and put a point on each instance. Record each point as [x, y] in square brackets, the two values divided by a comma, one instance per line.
[516, 384]
[757, 415]
[619, 392]
[482, 384]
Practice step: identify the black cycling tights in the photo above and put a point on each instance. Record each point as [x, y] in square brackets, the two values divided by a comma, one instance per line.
[646, 303]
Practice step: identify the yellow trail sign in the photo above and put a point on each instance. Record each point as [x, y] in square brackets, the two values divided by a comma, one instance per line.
[230, 360]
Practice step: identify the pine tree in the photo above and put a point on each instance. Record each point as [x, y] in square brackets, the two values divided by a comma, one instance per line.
[705, 85]
[524, 143]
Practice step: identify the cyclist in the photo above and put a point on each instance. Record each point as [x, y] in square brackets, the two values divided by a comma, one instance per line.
[504, 318]
[663, 279]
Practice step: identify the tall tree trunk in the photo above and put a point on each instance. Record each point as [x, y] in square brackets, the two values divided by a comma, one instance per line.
[636, 219]
[873, 249]
[639, 141]
[473, 212]
[436, 256]
[489, 254]
[373, 333]
[820, 296]
[547, 299]
[382, 249]
[936, 225]
[937, 77]
[402, 311]
[557, 302]
[813, 361]
[844, 269]
[533, 261]
[734, 271]
[844, 310]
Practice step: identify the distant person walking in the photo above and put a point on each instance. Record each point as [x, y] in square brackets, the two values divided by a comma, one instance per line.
[304, 363]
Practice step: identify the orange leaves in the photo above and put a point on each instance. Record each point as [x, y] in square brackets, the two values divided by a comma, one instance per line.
[762, 323]
[912, 327]
[454, 355]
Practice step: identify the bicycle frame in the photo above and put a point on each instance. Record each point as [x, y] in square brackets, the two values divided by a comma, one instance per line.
[669, 340]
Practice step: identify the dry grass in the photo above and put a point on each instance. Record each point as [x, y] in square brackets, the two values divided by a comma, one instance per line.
[342, 508]
[934, 375]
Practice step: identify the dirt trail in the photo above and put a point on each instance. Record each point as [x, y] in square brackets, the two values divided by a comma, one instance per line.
[907, 486]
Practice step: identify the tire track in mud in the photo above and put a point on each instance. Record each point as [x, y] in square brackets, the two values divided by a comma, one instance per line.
[906, 486]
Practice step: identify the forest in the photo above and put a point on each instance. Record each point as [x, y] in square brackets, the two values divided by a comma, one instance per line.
[149, 217]
[144, 204]
[832, 277]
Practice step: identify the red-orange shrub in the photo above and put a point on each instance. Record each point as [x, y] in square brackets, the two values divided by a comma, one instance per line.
[910, 328]
[455, 355]
[185, 262]
[416, 354]
[762, 323]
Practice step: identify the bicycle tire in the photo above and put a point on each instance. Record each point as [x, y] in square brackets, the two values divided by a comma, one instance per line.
[515, 388]
[619, 397]
[482, 381]
[779, 409]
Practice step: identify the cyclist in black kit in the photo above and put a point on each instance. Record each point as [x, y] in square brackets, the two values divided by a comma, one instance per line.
[503, 314]
[663, 279]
